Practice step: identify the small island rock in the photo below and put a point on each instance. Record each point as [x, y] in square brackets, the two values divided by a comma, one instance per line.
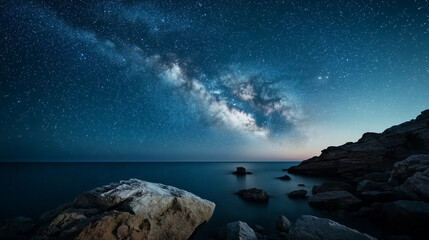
[241, 171]
[284, 177]
[253, 194]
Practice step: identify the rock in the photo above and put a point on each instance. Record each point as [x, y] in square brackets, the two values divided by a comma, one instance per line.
[332, 186]
[237, 231]
[416, 187]
[372, 153]
[377, 176]
[241, 171]
[404, 216]
[283, 224]
[411, 177]
[313, 228]
[377, 196]
[334, 200]
[285, 169]
[284, 177]
[253, 194]
[132, 209]
[368, 185]
[298, 194]
[301, 185]
[403, 170]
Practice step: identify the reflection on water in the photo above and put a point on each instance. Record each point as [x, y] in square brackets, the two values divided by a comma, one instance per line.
[33, 188]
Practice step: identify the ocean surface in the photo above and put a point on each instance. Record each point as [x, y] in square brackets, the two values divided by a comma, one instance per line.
[29, 189]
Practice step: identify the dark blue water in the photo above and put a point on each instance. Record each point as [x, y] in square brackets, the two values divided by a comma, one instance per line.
[29, 189]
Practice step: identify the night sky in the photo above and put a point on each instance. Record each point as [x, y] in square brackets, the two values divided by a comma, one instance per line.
[151, 80]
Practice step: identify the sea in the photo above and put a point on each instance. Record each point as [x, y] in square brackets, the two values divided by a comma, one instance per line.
[30, 189]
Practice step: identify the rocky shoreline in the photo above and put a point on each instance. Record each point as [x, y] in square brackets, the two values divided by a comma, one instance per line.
[383, 177]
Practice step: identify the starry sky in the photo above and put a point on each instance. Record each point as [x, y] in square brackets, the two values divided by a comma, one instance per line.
[154, 80]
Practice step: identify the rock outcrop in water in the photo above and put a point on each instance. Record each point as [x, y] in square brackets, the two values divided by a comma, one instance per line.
[253, 195]
[241, 171]
[132, 209]
[374, 152]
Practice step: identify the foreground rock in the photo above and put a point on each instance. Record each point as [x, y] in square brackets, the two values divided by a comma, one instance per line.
[241, 171]
[131, 209]
[334, 200]
[298, 194]
[237, 231]
[253, 194]
[372, 153]
[313, 228]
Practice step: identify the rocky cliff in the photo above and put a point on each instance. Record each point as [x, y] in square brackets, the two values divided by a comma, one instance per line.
[374, 152]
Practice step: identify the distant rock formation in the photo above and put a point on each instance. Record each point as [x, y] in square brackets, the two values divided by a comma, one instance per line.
[374, 152]
[241, 171]
[132, 209]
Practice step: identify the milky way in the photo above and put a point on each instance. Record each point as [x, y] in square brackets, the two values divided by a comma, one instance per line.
[141, 79]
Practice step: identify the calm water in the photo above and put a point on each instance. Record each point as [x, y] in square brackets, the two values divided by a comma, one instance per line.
[29, 189]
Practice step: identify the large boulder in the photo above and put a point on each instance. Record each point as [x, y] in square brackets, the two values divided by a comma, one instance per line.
[334, 200]
[132, 209]
[374, 152]
[313, 228]
[237, 231]
[253, 194]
